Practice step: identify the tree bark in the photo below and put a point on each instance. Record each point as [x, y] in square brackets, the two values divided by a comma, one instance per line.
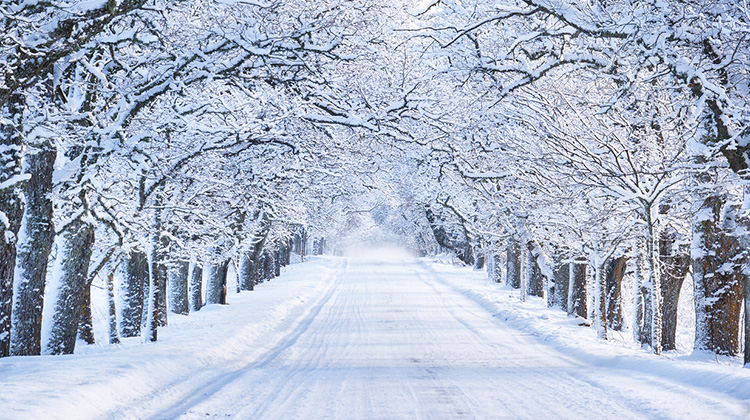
[246, 271]
[86, 324]
[133, 289]
[615, 273]
[746, 296]
[654, 282]
[177, 273]
[73, 257]
[718, 280]
[11, 208]
[479, 262]
[196, 287]
[535, 280]
[277, 264]
[674, 267]
[577, 291]
[33, 254]
[562, 284]
[514, 263]
[114, 337]
[600, 299]
[162, 252]
[497, 272]
[267, 266]
[216, 288]
[156, 306]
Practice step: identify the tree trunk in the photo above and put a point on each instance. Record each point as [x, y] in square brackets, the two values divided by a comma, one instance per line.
[33, 254]
[246, 271]
[133, 288]
[646, 314]
[746, 296]
[535, 281]
[177, 274]
[11, 207]
[744, 223]
[639, 303]
[162, 252]
[277, 264]
[577, 290]
[525, 274]
[216, 287]
[479, 262]
[654, 281]
[514, 263]
[114, 337]
[600, 298]
[86, 323]
[267, 266]
[562, 284]
[73, 260]
[258, 273]
[156, 314]
[196, 287]
[718, 280]
[497, 272]
[674, 267]
[615, 273]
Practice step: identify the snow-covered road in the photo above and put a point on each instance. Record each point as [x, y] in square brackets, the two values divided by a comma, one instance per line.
[390, 338]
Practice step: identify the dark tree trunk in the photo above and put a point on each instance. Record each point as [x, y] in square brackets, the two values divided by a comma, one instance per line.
[216, 288]
[577, 290]
[284, 254]
[156, 314]
[616, 269]
[12, 206]
[562, 282]
[258, 272]
[277, 264]
[674, 267]
[479, 262]
[247, 279]
[133, 290]
[251, 260]
[645, 315]
[178, 285]
[535, 284]
[718, 281]
[75, 255]
[196, 287]
[162, 252]
[86, 324]
[497, 272]
[744, 222]
[114, 337]
[267, 266]
[514, 263]
[746, 295]
[33, 254]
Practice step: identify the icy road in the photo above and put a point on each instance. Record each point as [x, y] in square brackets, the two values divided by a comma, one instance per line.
[380, 338]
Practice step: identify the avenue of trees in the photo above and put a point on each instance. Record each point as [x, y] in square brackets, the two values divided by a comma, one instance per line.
[566, 145]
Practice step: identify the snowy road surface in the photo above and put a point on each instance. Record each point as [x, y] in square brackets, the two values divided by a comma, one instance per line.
[386, 338]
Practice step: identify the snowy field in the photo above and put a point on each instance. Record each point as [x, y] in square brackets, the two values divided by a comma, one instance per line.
[373, 337]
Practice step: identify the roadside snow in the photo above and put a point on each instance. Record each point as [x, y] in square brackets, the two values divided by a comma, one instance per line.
[194, 348]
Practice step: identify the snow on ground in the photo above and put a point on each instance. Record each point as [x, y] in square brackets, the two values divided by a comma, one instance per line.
[378, 336]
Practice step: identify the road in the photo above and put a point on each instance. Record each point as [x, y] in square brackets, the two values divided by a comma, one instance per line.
[388, 339]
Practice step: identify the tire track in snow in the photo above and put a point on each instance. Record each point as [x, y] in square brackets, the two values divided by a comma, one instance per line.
[211, 384]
